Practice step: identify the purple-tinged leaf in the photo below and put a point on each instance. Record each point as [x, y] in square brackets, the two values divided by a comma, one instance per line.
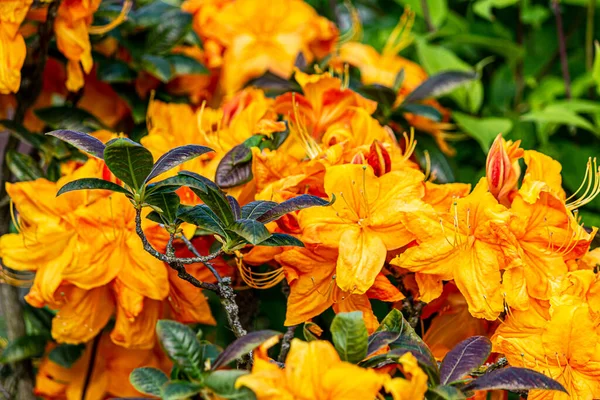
[440, 84]
[252, 231]
[90, 184]
[235, 207]
[514, 378]
[380, 339]
[177, 156]
[255, 209]
[235, 168]
[82, 141]
[464, 358]
[294, 204]
[243, 346]
[281, 239]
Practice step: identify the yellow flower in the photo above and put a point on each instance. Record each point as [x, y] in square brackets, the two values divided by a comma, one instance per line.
[365, 221]
[461, 245]
[413, 386]
[313, 371]
[12, 44]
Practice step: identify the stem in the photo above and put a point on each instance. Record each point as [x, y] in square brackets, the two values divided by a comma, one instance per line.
[90, 370]
[562, 48]
[195, 252]
[285, 343]
[223, 289]
[427, 16]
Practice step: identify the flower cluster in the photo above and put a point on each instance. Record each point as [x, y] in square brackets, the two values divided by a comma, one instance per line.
[508, 258]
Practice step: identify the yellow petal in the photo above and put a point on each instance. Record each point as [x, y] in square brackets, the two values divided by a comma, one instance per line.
[362, 254]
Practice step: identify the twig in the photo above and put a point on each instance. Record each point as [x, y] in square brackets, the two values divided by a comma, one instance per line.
[195, 252]
[285, 343]
[90, 369]
[427, 16]
[562, 48]
[223, 289]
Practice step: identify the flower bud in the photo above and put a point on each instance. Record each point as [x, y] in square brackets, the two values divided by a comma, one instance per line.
[502, 167]
[379, 158]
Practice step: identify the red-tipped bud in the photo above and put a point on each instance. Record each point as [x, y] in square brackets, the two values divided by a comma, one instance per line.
[379, 158]
[359, 158]
[502, 168]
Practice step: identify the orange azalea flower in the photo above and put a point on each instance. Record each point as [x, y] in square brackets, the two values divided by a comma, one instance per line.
[413, 386]
[324, 102]
[12, 44]
[312, 370]
[310, 273]
[268, 37]
[442, 196]
[110, 374]
[461, 245]
[561, 341]
[502, 168]
[72, 38]
[365, 222]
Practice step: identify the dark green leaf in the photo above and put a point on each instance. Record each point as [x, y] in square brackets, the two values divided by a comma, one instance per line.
[484, 130]
[255, 209]
[423, 110]
[243, 346]
[115, 71]
[203, 217]
[82, 141]
[513, 378]
[180, 390]
[398, 80]
[209, 353]
[151, 14]
[23, 167]
[444, 393]
[222, 383]
[381, 94]
[184, 65]
[23, 348]
[235, 207]
[70, 118]
[173, 183]
[172, 29]
[128, 161]
[465, 357]
[281, 239]
[350, 336]
[91, 184]
[181, 345]
[309, 335]
[175, 157]
[278, 138]
[438, 162]
[167, 204]
[148, 380]
[440, 84]
[157, 66]
[214, 198]
[274, 85]
[380, 339]
[252, 231]
[20, 132]
[294, 204]
[235, 168]
[66, 355]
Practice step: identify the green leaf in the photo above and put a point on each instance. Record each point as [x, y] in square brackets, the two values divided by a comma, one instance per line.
[274, 85]
[444, 393]
[484, 130]
[294, 204]
[179, 390]
[243, 346]
[128, 161]
[166, 204]
[514, 378]
[66, 355]
[235, 168]
[350, 336]
[420, 109]
[255, 209]
[439, 85]
[181, 345]
[281, 239]
[381, 94]
[23, 167]
[561, 116]
[203, 217]
[21, 133]
[23, 348]
[115, 71]
[184, 65]
[173, 183]
[439, 164]
[252, 231]
[436, 59]
[70, 118]
[157, 66]
[380, 339]
[438, 9]
[209, 353]
[222, 384]
[214, 198]
[92, 184]
[483, 8]
[172, 29]
[596, 67]
[307, 328]
[148, 380]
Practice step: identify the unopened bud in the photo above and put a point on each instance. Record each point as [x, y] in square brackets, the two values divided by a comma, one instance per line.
[379, 158]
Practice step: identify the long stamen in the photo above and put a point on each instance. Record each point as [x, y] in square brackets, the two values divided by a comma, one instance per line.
[258, 280]
[400, 36]
[355, 31]
[591, 182]
[102, 29]
[410, 142]
[444, 233]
